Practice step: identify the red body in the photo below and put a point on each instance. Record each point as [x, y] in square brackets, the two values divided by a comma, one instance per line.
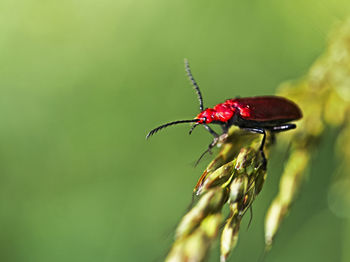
[261, 109]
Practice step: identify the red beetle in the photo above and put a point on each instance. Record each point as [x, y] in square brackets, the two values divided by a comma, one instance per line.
[255, 114]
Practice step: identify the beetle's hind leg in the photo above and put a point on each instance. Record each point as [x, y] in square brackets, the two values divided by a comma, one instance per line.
[278, 129]
[282, 128]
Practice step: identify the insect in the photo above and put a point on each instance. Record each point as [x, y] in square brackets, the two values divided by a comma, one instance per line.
[255, 114]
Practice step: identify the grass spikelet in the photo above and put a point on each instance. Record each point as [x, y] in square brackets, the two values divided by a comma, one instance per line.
[195, 246]
[211, 202]
[229, 236]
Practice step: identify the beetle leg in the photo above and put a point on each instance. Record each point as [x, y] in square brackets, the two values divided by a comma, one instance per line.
[211, 131]
[277, 129]
[211, 145]
[261, 148]
[225, 128]
[283, 128]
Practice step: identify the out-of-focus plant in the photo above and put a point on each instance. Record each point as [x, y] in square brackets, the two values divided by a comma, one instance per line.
[324, 96]
[237, 174]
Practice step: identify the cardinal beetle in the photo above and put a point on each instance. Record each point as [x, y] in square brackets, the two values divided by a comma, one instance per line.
[255, 114]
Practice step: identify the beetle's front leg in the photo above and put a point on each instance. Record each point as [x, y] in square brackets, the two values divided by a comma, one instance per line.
[211, 131]
[211, 145]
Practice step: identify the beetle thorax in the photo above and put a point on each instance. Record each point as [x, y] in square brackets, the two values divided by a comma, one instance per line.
[219, 113]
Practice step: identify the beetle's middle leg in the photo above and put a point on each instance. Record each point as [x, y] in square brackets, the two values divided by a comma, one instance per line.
[261, 148]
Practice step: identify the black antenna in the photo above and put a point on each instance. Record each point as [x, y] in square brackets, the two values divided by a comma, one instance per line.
[195, 85]
[153, 131]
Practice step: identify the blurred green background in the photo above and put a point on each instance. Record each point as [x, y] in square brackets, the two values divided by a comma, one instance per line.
[82, 82]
